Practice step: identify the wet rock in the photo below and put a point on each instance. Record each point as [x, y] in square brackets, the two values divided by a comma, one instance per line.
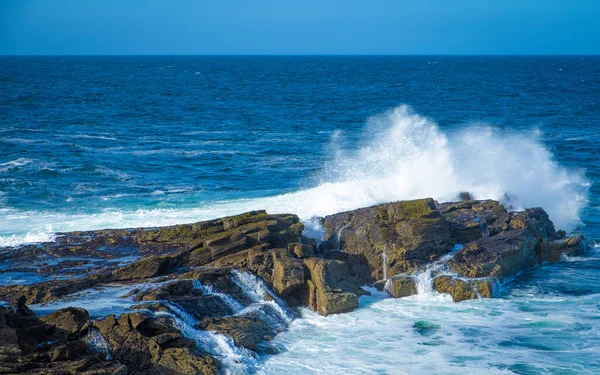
[461, 290]
[169, 290]
[151, 266]
[66, 322]
[147, 346]
[49, 290]
[28, 345]
[470, 220]
[553, 251]
[413, 233]
[402, 286]
[331, 289]
[503, 255]
[247, 330]
[288, 276]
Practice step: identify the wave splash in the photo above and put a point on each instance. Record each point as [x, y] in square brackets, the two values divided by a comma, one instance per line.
[401, 155]
[408, 156]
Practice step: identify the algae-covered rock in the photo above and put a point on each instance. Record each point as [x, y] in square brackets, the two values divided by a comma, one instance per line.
[412, 233]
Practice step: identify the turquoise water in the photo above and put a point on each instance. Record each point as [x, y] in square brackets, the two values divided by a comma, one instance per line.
[96, 142]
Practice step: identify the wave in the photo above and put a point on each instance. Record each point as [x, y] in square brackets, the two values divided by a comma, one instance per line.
[402, 155]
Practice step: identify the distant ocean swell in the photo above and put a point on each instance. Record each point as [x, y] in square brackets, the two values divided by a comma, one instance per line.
[400, 155]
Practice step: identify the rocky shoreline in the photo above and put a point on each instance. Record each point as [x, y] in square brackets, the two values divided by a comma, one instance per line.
[197, 291]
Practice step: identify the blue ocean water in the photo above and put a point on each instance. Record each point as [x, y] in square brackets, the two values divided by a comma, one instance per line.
[96, 142]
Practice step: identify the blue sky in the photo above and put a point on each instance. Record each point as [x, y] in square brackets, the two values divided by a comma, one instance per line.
[299, 27]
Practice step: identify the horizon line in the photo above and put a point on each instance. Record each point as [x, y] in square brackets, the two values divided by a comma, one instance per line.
[305, 55]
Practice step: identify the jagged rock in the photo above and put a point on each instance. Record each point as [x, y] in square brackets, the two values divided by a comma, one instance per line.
[248, 330]
[147, 346]
[461, 290]
[302, 250]
[402, 286]
[30, 346]
[49, 290]
[169, 290]
[412, 233]
[66, 322]
[288, 275]
[470, 220]
[330, 289]
[162, 249]
[526, 242]
[151, 266]
[553, 251]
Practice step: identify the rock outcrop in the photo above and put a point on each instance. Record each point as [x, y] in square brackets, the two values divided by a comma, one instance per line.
[410, 233]
[404, 238]
[234, 276]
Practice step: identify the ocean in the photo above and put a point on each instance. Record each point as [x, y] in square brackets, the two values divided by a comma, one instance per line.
[136, 141]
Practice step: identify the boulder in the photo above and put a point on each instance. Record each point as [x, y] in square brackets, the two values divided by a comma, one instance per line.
[248, 330]
[412, 233]
[470, 220]
[148, 346]
[524, 244]
[461, 290]
[288, 275]
[66, 322]
[29, 345]
[169, 290]
[302, 250]
[330, 289]
[401, 286]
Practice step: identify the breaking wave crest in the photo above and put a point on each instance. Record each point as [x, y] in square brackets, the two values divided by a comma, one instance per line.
[400, 155]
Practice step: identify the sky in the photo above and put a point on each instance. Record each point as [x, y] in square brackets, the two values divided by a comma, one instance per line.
[257, 27]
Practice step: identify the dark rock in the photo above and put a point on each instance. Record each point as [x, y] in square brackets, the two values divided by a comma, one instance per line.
[505, 254]
[66, 322]
[302, 250]
[470, 220]
[147, 346]
[413, 233]
[247, 330]
[169, 290]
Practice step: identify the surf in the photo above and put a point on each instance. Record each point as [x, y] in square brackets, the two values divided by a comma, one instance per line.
[399, 155]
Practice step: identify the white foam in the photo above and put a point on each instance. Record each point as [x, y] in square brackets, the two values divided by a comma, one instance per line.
[402, 156]
[27, 238]
[489, 336]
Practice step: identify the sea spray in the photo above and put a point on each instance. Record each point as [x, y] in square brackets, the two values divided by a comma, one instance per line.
[235, 359]
[256, 290]
[384, 261]
[424, 279]
[98, 343]
[210, 290]
[339, 236]
[402, 156]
